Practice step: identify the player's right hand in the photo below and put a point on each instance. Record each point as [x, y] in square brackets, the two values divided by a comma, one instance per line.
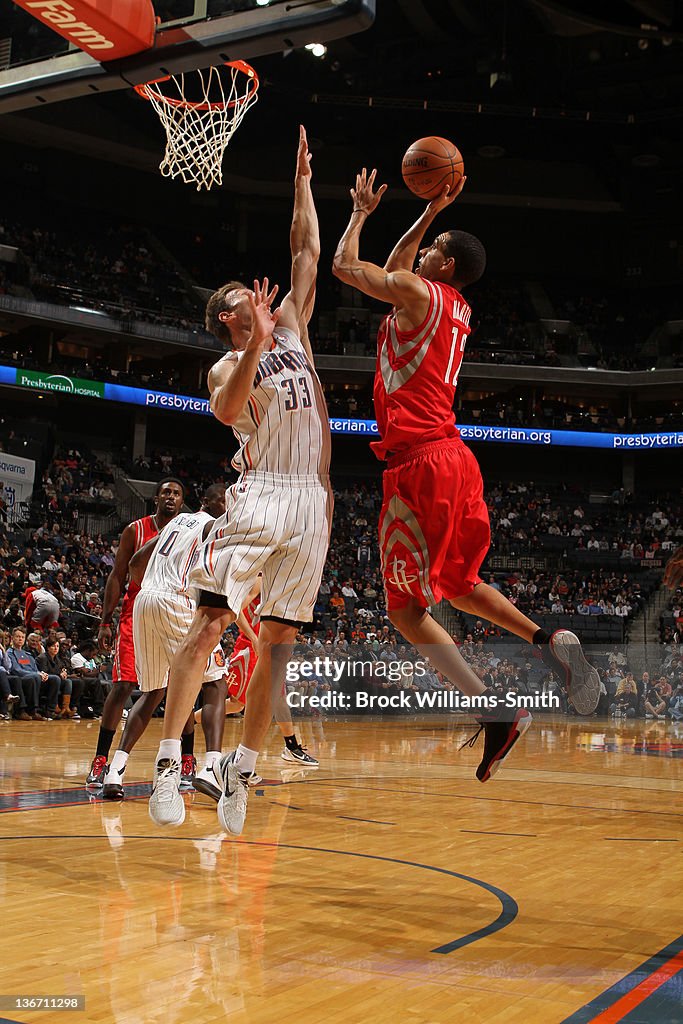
[104, 637]
[446, 197]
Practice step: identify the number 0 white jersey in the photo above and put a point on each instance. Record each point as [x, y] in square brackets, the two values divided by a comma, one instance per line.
[284, 427]
[175, 553]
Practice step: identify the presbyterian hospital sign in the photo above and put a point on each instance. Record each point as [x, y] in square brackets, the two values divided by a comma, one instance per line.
[56, 383]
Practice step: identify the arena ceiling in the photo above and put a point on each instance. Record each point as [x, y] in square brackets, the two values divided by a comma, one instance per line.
[536, 81]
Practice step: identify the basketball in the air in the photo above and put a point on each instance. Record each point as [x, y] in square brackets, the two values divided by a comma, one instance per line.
[430, 164]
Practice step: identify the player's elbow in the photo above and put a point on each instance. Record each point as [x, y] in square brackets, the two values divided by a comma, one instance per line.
[225, 416]
[340, 268]
[308, 249]
[223, 409]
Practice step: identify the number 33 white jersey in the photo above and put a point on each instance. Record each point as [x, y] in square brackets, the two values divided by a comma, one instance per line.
[284, 427]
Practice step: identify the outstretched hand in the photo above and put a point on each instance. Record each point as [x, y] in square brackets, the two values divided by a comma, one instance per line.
[447, 196]
[263, 321]
[364, 199]
[303, 156]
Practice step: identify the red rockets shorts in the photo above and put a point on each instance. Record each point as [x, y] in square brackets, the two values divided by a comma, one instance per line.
[240, 669]
[123, 670]
[434, 525]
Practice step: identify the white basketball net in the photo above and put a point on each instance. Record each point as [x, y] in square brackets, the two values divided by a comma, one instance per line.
[199, 130]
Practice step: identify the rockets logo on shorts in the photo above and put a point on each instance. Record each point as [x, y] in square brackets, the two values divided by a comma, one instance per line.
[399, 577]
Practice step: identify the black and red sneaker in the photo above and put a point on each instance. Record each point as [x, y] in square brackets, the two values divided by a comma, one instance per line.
[564, 655]
[187, 772]
[502, 727]
[98, 770]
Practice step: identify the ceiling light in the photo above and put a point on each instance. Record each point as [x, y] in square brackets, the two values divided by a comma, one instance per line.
[317, 49]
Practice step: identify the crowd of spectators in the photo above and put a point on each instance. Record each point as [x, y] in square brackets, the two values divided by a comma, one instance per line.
[56, 565]
[74, 483]
[385, 667]
[119, 274]
[526, 517]
[617, 321]
[671, 619]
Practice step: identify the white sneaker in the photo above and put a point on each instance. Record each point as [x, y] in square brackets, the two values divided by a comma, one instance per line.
[301, 755]
[234, 787]
[113, 785]
[582, 680]
[166, 805]
[204, 782]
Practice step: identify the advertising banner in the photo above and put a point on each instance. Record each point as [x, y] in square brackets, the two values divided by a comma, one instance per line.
[169, 402]
[16, 482]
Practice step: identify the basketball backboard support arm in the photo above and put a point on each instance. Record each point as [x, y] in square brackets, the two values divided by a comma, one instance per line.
[237, 36]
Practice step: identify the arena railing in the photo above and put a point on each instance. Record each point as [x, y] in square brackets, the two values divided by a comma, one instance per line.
[103, 321]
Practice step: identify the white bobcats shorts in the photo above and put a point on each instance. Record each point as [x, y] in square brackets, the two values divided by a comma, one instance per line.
[277, 524]
[160, 624]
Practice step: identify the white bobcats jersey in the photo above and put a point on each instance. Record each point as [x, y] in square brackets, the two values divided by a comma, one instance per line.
[284, 428]
[175, 553]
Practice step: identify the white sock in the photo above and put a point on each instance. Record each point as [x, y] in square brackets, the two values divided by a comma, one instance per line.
[169, 749]
[211, 757]
[119, 761]
[245, 759]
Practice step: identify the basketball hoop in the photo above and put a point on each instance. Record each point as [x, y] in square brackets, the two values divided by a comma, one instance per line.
[199, 130]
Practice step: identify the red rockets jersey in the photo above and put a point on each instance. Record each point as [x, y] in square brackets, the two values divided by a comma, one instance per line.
[145, 529]
[417, 374]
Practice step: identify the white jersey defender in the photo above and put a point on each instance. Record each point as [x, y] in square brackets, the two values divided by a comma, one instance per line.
[279, 513]
[284, 427]
[164, 608]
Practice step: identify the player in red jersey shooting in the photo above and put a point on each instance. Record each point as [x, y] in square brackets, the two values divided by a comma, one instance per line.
[434, 524]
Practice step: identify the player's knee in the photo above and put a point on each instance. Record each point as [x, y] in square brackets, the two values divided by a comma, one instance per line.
[123, 689]
[206, 637]
[215, 688]
[407, 616]
[276, 641]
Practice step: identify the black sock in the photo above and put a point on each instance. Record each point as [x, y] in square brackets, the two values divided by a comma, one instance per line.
[187, 743]
[104, 741]
[291, 742]
[541, 637]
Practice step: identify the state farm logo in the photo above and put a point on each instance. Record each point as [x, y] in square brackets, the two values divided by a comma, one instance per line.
[59, 13]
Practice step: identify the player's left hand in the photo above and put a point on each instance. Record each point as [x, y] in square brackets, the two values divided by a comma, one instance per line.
[364, 199]
[263, 320]
[303, 156]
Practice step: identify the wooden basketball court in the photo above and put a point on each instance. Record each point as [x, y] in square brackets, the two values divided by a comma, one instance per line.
[389, 885]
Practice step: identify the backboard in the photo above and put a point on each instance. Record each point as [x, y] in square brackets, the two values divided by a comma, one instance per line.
[37, 66]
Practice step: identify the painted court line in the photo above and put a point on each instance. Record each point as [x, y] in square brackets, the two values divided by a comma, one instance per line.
[627, 1000]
